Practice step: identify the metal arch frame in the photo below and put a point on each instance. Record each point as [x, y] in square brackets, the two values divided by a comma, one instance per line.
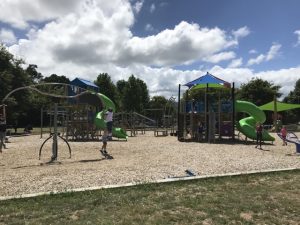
[51, 136]
[55, 134]
[33, 88]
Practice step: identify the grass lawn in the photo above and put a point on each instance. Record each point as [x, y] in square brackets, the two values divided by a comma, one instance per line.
[271, 198]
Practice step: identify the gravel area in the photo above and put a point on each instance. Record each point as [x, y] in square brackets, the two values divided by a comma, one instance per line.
[141, 159]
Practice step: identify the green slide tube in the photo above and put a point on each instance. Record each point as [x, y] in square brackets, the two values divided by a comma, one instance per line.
[247, 125]
[100, 122]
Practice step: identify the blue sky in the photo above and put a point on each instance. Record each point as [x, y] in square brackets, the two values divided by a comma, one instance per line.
[269, 21]
[162, 42]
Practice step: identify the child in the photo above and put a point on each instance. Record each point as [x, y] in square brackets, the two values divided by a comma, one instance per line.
[109, 122]
[283, 132]
[259, 130]
[104, 143]
[200, 130]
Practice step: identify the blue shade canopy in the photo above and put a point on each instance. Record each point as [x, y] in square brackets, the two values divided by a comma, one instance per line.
[207, 79]
[87, 82]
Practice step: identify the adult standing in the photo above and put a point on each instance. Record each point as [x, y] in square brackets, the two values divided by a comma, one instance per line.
[2, 132]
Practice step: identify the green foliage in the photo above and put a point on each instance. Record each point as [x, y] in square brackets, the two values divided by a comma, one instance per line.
[293, 116]
[158, 105]
[14, 76]
[158, 102]
[121, 89]
[35, 76]
[53, 78]
[108, 88]
[135, 96]
[258, 91]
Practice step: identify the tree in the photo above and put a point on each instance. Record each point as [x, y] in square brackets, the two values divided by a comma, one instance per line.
[293, 116]
[108, 88]
[35, 76]
[53, 78]
[258, 91]
[13, 76]
[121, 89]
[158, 102]
[135, 96]
[157, 106]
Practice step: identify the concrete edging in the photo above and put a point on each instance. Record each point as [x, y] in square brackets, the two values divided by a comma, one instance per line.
[167, 180]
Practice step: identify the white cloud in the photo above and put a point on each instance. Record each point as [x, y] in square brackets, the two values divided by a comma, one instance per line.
[19, 12]
[138, 6]
[184, 44]
[95, 36]
[297, 32]
[149, 27]
[286, 78]
[7, 36]
[253, 51]
[236, 63]
[152, 8]
[241, 32]
[92, 35]
[220, 57]
[259, 59]
[271, 54]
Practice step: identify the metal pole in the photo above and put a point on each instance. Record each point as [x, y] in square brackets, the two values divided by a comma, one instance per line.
[275, 114]
[219, 108]
[42, 122]
[178, 113]
[233, 110]
[54, 144]
[206, 113]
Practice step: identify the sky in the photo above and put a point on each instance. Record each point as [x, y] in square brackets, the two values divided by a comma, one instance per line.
[164, 43]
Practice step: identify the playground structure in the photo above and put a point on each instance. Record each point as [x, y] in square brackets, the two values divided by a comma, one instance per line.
[74, 106]
[217, 115]
[161, 121]
[133, 122]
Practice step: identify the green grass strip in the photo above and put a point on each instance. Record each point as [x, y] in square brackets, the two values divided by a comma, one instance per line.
[270, 198]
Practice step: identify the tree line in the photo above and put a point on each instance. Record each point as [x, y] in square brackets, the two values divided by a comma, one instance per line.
[129, 95]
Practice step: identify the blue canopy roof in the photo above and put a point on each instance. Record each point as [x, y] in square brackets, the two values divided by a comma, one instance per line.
[209, 79]
[87, 82]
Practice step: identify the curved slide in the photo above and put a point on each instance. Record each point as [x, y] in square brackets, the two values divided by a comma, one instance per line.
[100, 122]
[247, 125]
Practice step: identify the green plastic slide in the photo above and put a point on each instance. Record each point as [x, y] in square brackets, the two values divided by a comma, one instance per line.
[100, 122]
[247, 125]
